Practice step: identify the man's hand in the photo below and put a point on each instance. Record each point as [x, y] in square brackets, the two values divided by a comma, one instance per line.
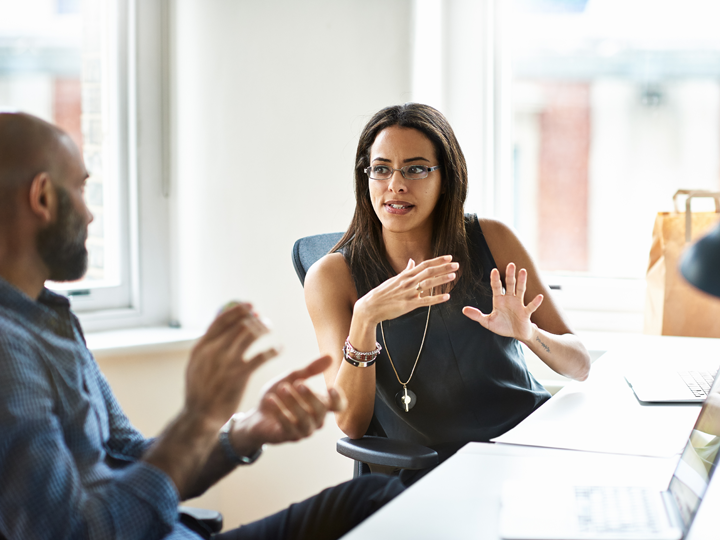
[216, 377]
[288, 410]
[218, 373]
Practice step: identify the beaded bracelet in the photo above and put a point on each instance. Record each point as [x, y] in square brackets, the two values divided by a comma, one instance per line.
[358, 358]
[355, 353]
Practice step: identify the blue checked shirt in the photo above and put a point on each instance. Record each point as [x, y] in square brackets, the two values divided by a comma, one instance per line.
[69, 457]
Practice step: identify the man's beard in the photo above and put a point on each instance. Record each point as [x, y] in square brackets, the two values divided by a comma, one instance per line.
[61, 245]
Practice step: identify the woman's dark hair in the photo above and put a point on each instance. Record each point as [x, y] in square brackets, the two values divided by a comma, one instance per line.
[363, 245]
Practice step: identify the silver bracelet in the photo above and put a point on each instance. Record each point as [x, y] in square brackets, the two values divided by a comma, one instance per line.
[229, 449]
[355, 354]
[357, 363]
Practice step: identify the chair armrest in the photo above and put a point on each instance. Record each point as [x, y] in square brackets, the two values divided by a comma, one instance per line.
[388, 452]
[200, 520]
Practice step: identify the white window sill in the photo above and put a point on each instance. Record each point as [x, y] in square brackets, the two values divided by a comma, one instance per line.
[132, 341]
[162, 339]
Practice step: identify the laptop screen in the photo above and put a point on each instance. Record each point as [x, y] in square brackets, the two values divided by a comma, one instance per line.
[699, 459]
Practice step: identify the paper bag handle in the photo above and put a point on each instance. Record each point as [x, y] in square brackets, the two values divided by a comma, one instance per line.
[694, 194]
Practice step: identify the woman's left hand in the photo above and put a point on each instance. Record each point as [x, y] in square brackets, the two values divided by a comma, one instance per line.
[510, 316]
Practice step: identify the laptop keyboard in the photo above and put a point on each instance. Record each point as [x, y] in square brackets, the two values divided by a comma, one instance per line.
[603, 509]
[699, 382]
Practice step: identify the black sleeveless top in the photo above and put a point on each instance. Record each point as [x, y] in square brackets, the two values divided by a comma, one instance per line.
[471, 384]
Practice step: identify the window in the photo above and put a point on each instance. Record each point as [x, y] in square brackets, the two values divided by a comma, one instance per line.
[60, 62]
[613, 106]
[90, 67]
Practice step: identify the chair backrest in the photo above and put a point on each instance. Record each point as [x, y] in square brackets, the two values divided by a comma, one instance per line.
[309, 249]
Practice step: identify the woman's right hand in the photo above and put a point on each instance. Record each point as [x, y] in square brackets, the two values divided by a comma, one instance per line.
[337, 314]
[408, 290]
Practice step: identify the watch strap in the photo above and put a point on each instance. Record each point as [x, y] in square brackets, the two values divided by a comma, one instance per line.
[229, 450]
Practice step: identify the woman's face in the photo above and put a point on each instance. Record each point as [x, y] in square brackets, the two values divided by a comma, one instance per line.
[404, 205]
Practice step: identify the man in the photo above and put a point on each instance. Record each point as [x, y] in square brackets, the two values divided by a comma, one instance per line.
[71, 465]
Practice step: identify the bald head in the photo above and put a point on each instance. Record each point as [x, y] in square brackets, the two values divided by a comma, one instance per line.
[28, 146]
[43, 215]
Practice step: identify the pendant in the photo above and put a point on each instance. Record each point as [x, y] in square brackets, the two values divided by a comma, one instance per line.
[405, 399]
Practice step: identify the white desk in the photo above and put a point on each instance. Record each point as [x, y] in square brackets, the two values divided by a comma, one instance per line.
[461, 498]
[602, 414]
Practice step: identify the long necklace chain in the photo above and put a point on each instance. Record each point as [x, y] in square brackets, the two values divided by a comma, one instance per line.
[407, 400]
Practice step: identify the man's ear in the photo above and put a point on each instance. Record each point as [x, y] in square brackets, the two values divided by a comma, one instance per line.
[42, 197]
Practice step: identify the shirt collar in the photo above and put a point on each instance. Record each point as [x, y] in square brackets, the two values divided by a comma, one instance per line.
[49, 305]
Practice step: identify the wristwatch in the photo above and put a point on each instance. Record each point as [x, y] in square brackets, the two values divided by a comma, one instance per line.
[228, 448]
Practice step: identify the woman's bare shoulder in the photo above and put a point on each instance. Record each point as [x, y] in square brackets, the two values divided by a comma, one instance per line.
[495, 229]
[504, 244]
[330, 276]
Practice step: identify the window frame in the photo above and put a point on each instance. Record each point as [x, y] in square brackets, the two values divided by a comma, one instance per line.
[143, 117]
[591, 302]
[476, 73]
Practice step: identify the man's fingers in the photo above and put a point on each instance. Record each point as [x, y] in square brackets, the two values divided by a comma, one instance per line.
[260, 358]
[277, 410]
[248, 330]
[316, 367]
[302, 416]
[312, 402]
[338, 402]
[226, 319]
[229, 328]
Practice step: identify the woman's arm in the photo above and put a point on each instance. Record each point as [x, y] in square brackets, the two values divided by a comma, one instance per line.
[539, 324]
[337, 314]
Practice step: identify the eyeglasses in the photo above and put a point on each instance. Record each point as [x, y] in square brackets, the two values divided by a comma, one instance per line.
[409, 172]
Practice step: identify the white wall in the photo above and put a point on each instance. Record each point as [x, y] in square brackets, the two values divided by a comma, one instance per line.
[269, 99]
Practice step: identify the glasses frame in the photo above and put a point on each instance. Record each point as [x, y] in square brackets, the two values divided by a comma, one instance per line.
[367, 170]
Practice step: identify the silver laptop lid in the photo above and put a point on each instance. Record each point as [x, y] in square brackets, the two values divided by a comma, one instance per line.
[699, 459]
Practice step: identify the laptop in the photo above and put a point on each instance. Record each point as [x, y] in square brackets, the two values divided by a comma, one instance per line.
[567, 512]
[669, 386]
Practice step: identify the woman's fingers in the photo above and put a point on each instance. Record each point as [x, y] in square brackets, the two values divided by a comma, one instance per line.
[413, 270]
[510, 279]
[495, 283]
[433, 300]
[532, 306]
[476, 315]
[521, 285]
[427, 284]
[435, 275]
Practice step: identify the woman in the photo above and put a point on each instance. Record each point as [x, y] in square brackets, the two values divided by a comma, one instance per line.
[402, 301]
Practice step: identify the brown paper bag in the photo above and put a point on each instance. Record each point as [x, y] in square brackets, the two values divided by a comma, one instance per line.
[672, 306]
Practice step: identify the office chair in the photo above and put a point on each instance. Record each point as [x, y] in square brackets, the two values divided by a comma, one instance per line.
[203, 522]
[374, 448]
